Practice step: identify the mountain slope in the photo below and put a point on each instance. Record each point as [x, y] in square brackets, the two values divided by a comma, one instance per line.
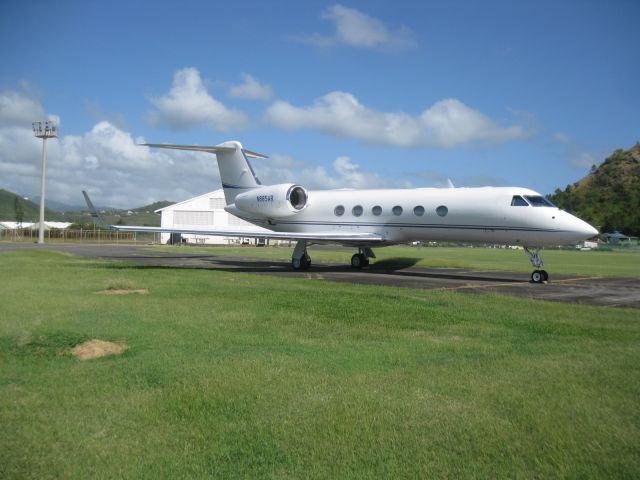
[11, 205]
[609, 196]
[152, 207]
[9, 211]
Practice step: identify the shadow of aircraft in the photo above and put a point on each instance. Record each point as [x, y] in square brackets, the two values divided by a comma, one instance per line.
[400, 267]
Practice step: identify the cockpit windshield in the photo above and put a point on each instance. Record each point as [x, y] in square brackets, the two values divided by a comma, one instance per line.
[518, 201]
[538, 201]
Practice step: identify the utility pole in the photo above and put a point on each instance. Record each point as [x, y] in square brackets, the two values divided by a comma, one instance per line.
[43, 130]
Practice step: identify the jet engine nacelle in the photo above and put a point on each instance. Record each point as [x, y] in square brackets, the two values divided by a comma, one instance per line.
[273, 201]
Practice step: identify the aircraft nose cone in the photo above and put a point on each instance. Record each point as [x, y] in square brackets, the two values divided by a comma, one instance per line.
[592, 232]
[579, 228]
[587, 230]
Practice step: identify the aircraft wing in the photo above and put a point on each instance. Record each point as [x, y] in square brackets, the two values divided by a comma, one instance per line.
[319, 236]
[338, 237]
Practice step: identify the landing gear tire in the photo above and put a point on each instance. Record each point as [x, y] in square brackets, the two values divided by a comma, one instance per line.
[301, 263]
[300, 260]
[359, 260]
[539, 276]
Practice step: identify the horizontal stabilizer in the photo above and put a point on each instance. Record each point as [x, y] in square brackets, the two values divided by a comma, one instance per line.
[203, 148]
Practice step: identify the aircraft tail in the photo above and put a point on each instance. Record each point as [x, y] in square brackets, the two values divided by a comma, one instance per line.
[236, 173]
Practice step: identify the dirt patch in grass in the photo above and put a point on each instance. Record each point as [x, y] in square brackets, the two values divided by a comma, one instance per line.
[140, 291]
[96, 348]
[122, 286]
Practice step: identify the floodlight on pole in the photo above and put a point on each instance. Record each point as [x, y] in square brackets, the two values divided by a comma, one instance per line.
[43, 130]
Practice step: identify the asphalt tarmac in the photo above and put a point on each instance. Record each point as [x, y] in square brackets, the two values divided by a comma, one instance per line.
[593, 290]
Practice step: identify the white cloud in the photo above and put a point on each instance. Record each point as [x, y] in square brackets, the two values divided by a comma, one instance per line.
[357, 29]
[105, 161]
[250, 89]
[20, 108]
[343, 174]
[447, 123]
[189, 104]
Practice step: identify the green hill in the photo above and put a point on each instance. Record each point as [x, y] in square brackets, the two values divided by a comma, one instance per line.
[152, 207]
[144, 216]
[609, 197]
[11, 205]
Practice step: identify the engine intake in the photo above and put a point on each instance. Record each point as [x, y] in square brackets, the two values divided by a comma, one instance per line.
[273, 201]
[297, 197]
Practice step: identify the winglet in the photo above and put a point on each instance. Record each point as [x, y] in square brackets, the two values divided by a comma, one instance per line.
[94, 213]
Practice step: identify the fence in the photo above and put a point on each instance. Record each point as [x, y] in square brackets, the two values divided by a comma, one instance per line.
[99, 236]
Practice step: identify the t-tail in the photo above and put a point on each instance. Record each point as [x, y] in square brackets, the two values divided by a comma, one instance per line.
[236, 173]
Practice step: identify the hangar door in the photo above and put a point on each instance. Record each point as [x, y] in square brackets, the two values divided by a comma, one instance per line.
[193, 218]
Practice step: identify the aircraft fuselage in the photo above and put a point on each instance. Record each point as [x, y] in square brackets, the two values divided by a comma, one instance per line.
[484, 215]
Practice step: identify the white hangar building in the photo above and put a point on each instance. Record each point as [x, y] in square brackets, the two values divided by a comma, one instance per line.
[206, 211]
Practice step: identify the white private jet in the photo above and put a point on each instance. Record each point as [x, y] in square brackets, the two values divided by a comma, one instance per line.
[370, 218]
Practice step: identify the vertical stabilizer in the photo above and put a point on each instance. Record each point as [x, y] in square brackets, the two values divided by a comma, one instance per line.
[236, 173]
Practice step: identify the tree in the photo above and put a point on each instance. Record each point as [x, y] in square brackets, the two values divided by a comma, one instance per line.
[610, 195]
[19, 212]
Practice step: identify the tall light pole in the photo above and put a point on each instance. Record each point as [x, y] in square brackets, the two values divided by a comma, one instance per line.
[43, 130]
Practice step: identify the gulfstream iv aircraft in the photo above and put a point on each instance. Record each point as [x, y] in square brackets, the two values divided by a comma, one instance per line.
[369, 218]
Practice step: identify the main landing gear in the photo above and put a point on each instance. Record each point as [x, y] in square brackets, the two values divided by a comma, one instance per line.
[361, 259]
[300, 260]
[538, 275]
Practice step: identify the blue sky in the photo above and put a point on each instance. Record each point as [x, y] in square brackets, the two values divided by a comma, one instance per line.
[528, 93]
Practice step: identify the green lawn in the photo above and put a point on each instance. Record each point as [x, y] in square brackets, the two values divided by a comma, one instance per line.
[231, 375]
[617, 263]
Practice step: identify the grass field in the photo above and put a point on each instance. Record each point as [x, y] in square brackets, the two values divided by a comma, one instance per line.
[616, 263]
[229, 375]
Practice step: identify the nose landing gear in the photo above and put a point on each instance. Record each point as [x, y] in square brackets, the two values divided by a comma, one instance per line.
[538, 275]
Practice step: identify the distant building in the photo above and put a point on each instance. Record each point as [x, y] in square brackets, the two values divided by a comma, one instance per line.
[615, 238]
[587, 245]
[205, 211]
